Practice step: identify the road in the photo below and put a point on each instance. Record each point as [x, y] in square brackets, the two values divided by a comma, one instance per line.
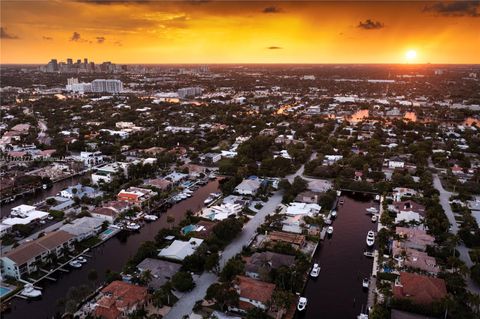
[300, 171]
[185, 305]
[462, 249]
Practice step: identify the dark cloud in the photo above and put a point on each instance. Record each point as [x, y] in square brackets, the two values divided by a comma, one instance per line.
[100, 39]
[108, 2]
[370, 25]
[47, 38]
[455, 9]
[274, 48]
[75, 37]
[272, 9]
[5, 35]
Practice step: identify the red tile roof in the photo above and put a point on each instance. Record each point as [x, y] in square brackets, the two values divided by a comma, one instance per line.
[254, 289]
[117, 297]
[420, 289]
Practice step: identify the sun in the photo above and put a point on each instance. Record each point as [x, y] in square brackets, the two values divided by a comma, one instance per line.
[411, 55]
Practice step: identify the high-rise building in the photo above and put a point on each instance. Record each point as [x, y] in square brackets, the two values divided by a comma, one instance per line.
[52, 66]
[189, 92]
[71, 81]
[107, 86]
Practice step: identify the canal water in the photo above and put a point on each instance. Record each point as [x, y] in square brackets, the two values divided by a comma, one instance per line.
[337, 292]
[40, 194]
[111, 255]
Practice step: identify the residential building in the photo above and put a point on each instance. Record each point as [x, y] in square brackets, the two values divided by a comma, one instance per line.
[84, 227]
[119, 299]
[419, 289]
[161, 271]
[23, 215]
[80, 191]
[248, 187]
[253, 293]
[135, 195]
[24, 259]
[297, 241]
[221, 212]
[259, 265]
[178, 250]
[107, 86]
[107, 172]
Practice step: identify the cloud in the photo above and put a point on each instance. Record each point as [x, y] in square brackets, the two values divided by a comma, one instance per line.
[118, 43]
[455, 9]
[100, 40]
[274, 48]
[5, 35]
[75, 37]
[370, 25]
[272, 9]
[108, 2]
[47, 38]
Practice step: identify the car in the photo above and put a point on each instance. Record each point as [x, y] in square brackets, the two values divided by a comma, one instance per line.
[315, 271]
[302, 304]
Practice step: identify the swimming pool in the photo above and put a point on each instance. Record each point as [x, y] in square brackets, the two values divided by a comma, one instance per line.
[108, 232]
[4, 291]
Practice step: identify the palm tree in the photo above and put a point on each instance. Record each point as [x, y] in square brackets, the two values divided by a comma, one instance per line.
[170, 220]
[146, 276]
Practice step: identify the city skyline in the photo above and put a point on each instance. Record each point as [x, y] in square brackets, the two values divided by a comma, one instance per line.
[197, 32]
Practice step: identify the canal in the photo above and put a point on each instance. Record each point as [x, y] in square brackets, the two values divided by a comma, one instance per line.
[41, 194]
[337, 292]
[111, 255]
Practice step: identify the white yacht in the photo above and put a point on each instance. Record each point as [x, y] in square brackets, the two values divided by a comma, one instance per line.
[374, 218]
[150, 217]
[30, 291]
[81, 259]
[372, 210]
[133, 226]
[365, 283]
[330, 230]
[75, 264]
[333, 213]
[315, 271]
[370, 238]
[369, 254]
[362, 316]
[302, 304]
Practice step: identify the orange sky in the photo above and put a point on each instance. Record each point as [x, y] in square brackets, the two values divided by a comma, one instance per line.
[240, 31]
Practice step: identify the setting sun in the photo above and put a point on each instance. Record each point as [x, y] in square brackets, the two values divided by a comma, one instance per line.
[411, 55]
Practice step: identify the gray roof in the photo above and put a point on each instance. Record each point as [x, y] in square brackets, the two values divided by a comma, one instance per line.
[269, 260]
[161, 270]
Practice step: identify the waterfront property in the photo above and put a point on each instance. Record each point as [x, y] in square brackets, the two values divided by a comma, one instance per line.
[119, 299]
[26, 258]
[253, 293]
[161, 271]
[179, 249]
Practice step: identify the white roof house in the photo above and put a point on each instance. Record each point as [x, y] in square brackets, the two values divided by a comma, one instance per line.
[179, 249]
[84, 227]
[294, 209]
[221, 212]
[24, 214]
[407, 216]
[248, 187]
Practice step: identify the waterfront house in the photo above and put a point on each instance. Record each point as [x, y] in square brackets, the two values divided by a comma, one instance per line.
[24, 215]
[259, 265]
[221, 212]
[253, 293]
[84, 227]
[159, 183]
[295, 240]
[25, 258]
[119, 299]
[399, 192]
[161, 270]
[107, 172]
[419, 289]
[80, 191]
[135, 195]
[302, 209]
[414, 238]
[105, 213]
[179, 249]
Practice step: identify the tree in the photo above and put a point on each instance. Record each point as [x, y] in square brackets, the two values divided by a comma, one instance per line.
[223, 294]
[233, 267]
[170, 220]
[146, 277]
[183, 281]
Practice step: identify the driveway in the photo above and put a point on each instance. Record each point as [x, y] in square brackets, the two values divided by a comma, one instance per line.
[185, 305]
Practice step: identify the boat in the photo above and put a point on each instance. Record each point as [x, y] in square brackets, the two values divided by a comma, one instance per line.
[212, 176]
[315, 271]
[333, 213]
[374, 218]
[377, 197]
[75, 264]
[208, 200]
[370, 238]
[81, 259]
[365, 282]
[362, 316]
[372, 210]
[30, 291]
[339, 193]
[133, 226]
[44, 186]
[302, 304]
[330, 230]
[341, 202]
[368, 254]
[150, 217]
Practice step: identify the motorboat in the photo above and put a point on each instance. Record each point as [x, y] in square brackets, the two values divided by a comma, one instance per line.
[339, 193]
[81, 259]
[302, 304]
[150, 217]
[30, 292]
[374, 218]
[315, 271]
[44, 186]
[212, 176]
[369, 254]
[341, 202]
[333, 213]
[75, 264]
[370, 238]
[377, 197]
[372, 210]
[365, 283]
[362, 316]
[330, 230]
[133, 226]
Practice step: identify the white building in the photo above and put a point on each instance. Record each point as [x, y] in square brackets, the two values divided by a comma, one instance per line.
[23, 215]
[396, 163]
[83, 228]
[107, 172]
[295, 209]
[178, 250]
[90, 159]
[107, 86]
[248, 187]
[189, 92]
[221, 212]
